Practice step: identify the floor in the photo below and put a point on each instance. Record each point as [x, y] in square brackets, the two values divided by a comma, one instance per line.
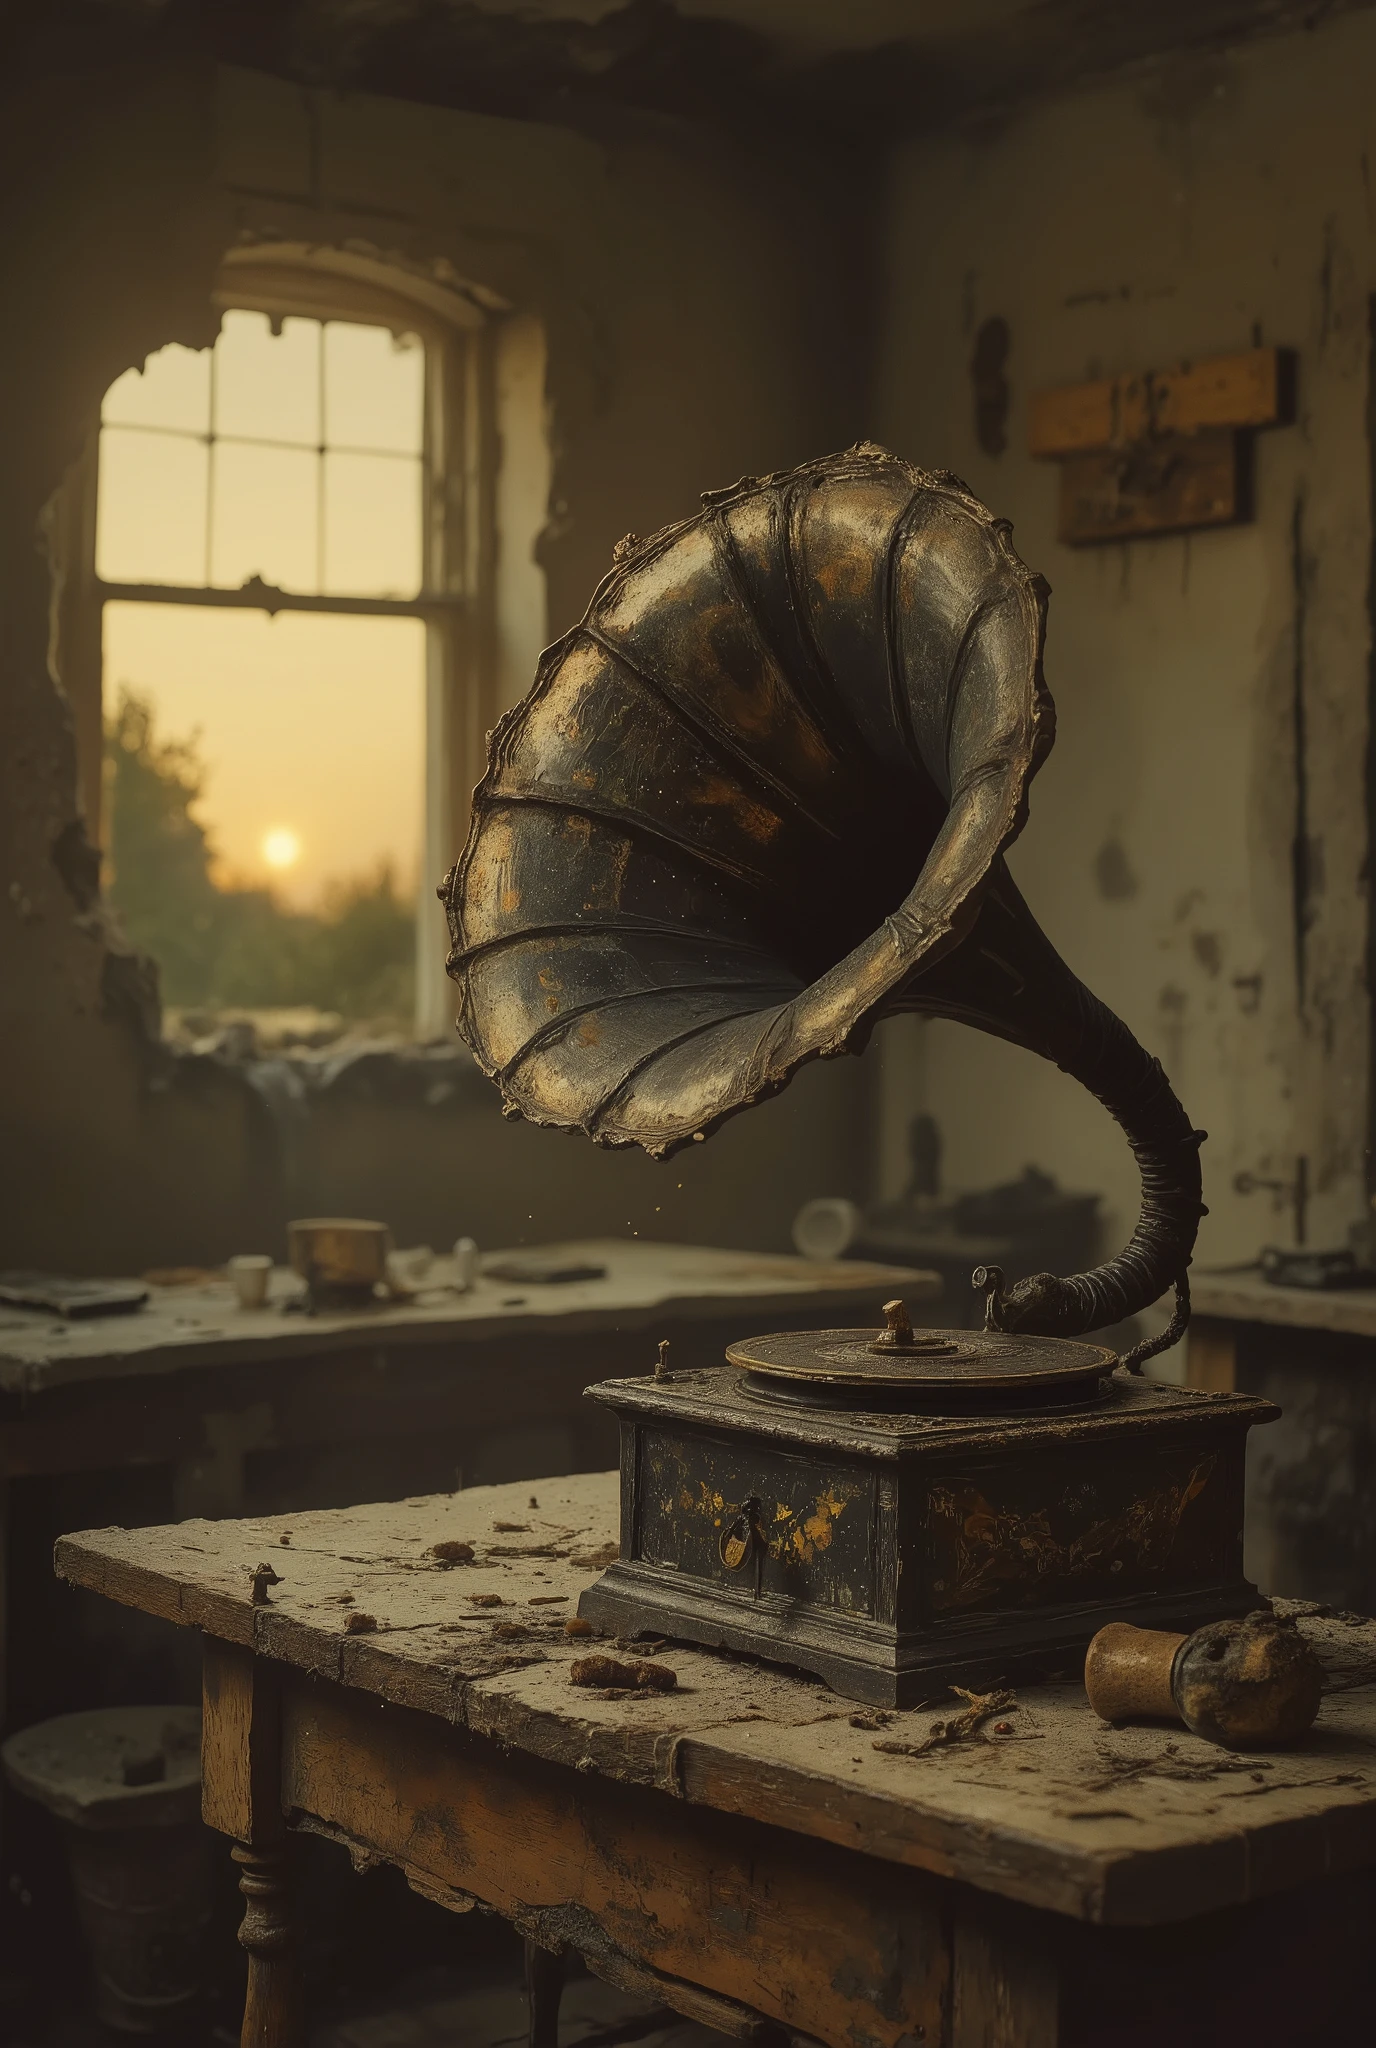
[432, 2014]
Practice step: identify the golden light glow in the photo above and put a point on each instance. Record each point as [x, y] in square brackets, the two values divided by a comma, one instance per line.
[281, 847]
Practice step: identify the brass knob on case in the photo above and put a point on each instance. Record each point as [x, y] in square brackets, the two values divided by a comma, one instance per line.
[1249, 1684]
[741, 1537]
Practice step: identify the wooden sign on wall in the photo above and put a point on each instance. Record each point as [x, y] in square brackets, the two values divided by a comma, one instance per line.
[1162, 452]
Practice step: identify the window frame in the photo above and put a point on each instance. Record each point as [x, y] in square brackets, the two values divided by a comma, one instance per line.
[455, 600]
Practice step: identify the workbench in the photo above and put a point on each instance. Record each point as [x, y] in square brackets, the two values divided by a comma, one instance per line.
[749, 1847]
[198, 1407]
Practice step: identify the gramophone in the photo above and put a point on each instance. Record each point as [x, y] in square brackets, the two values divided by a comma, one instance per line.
[756, 800]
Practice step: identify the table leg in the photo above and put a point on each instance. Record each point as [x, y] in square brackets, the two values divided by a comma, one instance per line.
[241, 1796]
[544, 1990]
[272, 2008]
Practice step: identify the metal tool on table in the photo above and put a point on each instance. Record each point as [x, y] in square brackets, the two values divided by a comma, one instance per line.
[755, 801]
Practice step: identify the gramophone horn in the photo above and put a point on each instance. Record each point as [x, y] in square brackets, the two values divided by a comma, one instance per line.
[757, 800]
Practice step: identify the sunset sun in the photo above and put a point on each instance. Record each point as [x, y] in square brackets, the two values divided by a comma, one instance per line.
[281, 847]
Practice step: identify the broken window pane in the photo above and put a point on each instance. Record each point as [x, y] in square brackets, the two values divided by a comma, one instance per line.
[270, 478]
[171, 390]
[150, 523]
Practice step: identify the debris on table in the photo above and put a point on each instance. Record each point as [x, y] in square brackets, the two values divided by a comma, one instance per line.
[544, 1269]
[263, 1576]
[60, 1295]
[360, 1624]
[452, 1551]
[486, 1600]
[959, 1728]
[614, 1672]
[576, 1626]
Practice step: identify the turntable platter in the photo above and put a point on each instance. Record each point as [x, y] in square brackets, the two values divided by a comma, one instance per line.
[901, 1367]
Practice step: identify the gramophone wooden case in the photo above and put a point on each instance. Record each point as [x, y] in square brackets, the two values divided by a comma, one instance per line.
[892, 1553]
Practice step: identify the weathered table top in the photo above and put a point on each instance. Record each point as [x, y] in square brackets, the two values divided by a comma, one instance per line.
[1132, 1826]
[182, 1328]
[1247, 1297]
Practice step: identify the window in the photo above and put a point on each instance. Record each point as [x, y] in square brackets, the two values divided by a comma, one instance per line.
[288, 460]
[289, 547]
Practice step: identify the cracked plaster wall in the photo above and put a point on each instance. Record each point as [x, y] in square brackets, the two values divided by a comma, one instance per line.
[1178, 214]
[702, 311]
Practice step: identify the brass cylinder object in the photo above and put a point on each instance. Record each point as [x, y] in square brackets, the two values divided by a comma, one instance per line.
[1128, 1673]
[1249, 1684]
[340, 1258]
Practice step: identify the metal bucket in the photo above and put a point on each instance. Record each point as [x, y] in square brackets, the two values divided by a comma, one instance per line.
[124, 1784]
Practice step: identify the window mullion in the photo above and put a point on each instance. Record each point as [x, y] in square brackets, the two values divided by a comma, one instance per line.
[210, 468]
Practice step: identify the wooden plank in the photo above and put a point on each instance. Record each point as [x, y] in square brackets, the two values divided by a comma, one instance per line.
[241, 1747]
[1065, 1813]
[1211, 1356]
[1244, 390]
[1079, 418]
[1170, 485]
[828, 1942]
[1005, 1983]
[1250, 389]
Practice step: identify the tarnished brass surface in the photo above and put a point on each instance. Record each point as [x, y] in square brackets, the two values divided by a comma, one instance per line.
[970, 1360]
[758, 799]
[339, 1251]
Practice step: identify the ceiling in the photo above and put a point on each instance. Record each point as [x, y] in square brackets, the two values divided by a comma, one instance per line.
[857, 66]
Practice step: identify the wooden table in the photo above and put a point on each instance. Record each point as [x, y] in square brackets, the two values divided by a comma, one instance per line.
[749, 1847]
[1246, 1296]
[237, 1410]
[1310, 1524]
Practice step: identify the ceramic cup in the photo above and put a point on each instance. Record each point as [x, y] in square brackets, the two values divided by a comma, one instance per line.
[248, 1273]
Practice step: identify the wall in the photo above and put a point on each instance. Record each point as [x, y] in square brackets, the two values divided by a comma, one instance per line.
[702, 315]
[1180, 213]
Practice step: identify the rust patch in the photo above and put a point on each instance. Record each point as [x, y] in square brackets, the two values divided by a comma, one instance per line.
[1001, 1551]
[708, 1504]
[846, 576]
[795, 1537]
[755, 820]
[605, 893]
